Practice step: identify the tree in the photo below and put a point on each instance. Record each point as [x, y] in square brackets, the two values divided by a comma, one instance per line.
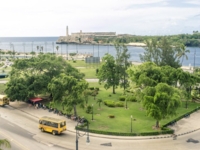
[41, 49]
[182, 53]
[152, 52]
[68, 90]
[99, 101]
[161, 53]
[108, 72]
[147, 74]
[161, 101]
[168, 54]
[187, 81]
[86, 94]
[122, 62]
[38, 48]
[32, 53]
[57, 47]
[4, 143]
[30, 77]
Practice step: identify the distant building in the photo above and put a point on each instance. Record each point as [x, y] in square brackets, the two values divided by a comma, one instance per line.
[83, 37]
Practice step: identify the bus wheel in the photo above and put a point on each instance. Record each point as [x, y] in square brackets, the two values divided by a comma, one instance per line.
[54, 132]
[42, 129]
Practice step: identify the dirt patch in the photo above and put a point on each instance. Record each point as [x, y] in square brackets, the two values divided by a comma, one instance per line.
[155, 128]
[102, 127]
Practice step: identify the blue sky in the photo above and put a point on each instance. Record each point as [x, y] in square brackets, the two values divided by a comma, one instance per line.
[141, 17]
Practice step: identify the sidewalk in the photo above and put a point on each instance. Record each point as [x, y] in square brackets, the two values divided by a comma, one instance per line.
[182, 127]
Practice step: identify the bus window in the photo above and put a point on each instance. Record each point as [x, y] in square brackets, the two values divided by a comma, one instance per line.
[62, 124]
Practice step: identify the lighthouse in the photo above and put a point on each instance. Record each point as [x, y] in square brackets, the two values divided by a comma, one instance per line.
[67, 31]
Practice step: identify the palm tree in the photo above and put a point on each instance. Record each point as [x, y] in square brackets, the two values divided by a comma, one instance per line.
[57, 47]
[41, 49]
[38, 48]
[99, 101]
[4, 143]
[32, 53]
[182, 53]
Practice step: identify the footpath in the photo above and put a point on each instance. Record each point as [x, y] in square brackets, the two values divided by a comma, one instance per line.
[184, 126]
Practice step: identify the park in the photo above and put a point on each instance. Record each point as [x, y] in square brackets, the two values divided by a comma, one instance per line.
[117, 107]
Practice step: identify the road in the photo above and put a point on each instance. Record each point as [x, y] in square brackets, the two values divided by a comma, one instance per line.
[22, 130]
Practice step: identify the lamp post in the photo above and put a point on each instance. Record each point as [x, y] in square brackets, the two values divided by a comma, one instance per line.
[24, 49]
[92, 112]
[0, 52]
[46, 47]
[53, 47]
[79, 135]
[131, 122]
[32, 46]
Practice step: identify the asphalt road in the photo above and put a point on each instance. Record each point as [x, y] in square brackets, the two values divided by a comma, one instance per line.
[19, 137]
[22, 130]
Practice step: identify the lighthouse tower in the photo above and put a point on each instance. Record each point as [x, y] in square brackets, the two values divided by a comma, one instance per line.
[67, 31]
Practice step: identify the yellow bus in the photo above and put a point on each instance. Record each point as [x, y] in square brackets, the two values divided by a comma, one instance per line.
[4, 100]
[52, 125]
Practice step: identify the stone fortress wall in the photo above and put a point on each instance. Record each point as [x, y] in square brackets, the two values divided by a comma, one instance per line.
[83, 37]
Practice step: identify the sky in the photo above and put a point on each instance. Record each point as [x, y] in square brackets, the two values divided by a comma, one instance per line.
[39, 18]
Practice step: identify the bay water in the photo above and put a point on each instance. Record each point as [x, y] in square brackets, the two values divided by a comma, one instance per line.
[28, 44]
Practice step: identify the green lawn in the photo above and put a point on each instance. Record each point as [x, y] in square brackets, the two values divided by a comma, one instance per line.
[121, 122]
[2, 88]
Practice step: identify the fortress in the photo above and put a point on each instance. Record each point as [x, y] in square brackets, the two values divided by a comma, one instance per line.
[84, 37]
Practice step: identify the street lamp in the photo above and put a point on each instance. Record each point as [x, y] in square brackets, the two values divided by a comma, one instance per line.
[131, 122]
[46, 47]
[24, 49]
[53, 47]
[92, 112]
[79, 135]
[0, 52]
[32, 46]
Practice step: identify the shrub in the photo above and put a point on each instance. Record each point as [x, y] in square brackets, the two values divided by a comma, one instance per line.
[122, 98]
[111, 116]
[97, 88]
[109, 103]
[89, 109]
[119, 104]
[74, 61]
[91, 88]
[72, 54]
[132, 98]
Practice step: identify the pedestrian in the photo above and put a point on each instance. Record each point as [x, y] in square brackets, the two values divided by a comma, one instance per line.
[36, 106]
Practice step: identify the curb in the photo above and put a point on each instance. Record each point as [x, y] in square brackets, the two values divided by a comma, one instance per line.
[122, 138]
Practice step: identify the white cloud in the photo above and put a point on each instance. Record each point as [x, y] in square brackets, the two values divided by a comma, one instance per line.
[49, 18]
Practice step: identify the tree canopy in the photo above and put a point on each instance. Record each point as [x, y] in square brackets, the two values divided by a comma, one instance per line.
[162, 86]
[108, 72]
[30, 77]
[161, 53]
[161, 101]
[112, 71]
[68, 90]
[4, 143]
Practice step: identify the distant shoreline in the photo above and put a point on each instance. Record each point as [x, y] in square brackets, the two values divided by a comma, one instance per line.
[105, 44]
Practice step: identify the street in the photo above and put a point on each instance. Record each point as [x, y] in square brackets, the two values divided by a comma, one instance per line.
[21, 128]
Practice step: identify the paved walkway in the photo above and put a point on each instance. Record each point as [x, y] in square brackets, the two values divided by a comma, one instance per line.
[182, 127]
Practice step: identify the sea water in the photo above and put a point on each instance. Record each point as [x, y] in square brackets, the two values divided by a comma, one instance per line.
[48, 45]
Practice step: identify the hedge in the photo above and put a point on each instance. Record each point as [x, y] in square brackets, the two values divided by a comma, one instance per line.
[110, 103]
[180, 117]
[168, 131]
